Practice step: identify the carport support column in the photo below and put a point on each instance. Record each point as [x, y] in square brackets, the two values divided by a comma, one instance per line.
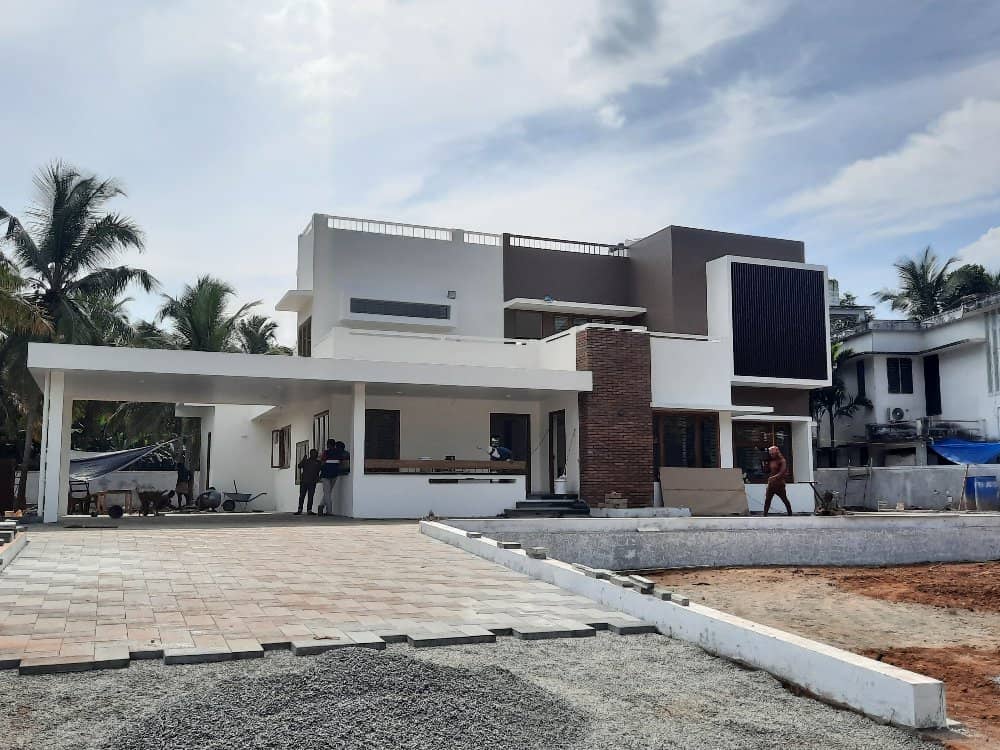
[357, 475]
[53, 474]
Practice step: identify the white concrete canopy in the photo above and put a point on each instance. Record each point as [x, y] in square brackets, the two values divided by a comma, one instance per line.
[573, 308]
[125, 374]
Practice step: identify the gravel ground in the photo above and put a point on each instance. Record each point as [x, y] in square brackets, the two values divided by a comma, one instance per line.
[604, 692]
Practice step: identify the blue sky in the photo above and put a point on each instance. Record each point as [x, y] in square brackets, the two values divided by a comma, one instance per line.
[868, 130]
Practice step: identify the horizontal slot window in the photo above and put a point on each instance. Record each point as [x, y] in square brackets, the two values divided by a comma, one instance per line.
[399, 309]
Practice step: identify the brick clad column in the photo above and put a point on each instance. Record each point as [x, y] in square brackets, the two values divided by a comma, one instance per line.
[616, 421]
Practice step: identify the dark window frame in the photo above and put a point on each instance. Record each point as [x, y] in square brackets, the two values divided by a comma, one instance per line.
[281, 447]
[399, 309]
[697, 423]
[899, 374]
[321, 429]
[860, 374]
[303, 341]
[301, 451]
[376, 451]
[766, 436]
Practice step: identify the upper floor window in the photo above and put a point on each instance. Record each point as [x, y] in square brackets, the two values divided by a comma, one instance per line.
[399, 309]
[900, 373]
[993, 351]
[862, 390]
[305, 338]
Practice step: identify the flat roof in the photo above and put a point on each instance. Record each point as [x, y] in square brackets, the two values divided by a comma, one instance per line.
[572, 308]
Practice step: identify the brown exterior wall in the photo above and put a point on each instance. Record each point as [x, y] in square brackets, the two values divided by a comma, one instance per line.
[791, 402]
[668, 271]
[616, 421]
[571, 277]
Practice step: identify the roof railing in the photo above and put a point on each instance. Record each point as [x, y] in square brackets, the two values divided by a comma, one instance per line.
[572, 246]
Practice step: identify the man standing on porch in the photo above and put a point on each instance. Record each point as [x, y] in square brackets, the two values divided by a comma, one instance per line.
[309, 467]
[328, 473]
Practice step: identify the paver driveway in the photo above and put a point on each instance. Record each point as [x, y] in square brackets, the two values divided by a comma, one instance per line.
[76, 592]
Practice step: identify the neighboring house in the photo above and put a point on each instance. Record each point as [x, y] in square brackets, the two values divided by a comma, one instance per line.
[593, 363]
[938, 377]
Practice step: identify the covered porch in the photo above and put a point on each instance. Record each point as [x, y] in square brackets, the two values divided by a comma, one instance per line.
[417, 433]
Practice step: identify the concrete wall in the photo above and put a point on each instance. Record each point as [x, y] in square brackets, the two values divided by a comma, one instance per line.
[873, 688]
[921, 487]
[658, 543]
[688, 372]
[567, 276]
[379, 266]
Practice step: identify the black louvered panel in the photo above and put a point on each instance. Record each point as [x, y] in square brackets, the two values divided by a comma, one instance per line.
[779, 322]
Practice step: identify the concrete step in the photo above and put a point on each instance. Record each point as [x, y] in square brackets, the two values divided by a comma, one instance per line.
[544, 512]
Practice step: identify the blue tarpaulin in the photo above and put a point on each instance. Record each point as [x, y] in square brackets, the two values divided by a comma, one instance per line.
[965, 451]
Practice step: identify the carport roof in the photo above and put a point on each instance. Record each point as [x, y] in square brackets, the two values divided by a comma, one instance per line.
[126, 374]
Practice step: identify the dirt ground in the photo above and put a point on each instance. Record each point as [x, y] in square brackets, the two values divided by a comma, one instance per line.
[941, 620]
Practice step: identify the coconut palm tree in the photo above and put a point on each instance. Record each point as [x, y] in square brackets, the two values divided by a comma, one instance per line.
[258, 335]
[201, 316]
[923, 284]
[63, 248]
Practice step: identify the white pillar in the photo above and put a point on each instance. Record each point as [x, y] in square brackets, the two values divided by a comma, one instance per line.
[726, 457]
[53, 476]
[357, 476]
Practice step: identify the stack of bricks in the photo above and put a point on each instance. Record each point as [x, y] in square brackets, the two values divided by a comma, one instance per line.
[616, 421]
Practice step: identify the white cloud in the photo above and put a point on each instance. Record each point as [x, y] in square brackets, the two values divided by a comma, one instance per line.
[611, 116]
[951, 170]
[985, 250]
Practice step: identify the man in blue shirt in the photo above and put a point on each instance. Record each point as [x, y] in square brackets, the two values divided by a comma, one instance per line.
[328, 474]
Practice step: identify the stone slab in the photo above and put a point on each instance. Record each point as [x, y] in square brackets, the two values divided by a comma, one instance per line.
[366, 639]
[566, 629]
[319, 646]
[456, 637]
[196, 655]
[631, 628]
[146, 653]
[276, 645]
[245, 648]
[55, 664]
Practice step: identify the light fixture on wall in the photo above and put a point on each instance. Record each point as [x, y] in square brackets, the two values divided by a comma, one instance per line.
[452, 294]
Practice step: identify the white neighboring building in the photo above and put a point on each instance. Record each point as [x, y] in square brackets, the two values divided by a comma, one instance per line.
[594, 363]
[932, 378]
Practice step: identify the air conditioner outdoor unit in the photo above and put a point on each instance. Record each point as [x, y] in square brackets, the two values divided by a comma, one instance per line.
[895, 414]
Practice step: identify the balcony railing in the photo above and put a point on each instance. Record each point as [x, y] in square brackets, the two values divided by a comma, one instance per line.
[933, 428]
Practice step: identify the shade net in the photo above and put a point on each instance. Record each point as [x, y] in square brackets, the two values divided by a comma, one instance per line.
[92, 467]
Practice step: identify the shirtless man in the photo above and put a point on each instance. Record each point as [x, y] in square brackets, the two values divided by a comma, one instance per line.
[778, 468]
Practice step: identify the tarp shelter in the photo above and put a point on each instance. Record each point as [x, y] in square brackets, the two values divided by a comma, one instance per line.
[966, 451]
[92, 467]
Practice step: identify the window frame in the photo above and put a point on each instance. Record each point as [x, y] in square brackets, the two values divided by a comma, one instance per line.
[698, 423]
[370, 413]
[321, 429]
[862, 388]
[903, 375]
[768, 434]
[301, 451]
[303, 339]
[281, 443]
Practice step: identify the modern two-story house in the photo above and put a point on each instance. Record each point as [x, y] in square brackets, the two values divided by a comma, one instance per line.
[926, 379]
[595, 364]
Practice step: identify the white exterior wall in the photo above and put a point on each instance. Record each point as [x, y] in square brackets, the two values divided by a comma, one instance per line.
[241, 452]
[912, 404]
[689, 372]
[364, 264]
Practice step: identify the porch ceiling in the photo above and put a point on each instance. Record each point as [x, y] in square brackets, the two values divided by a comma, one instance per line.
[125, 374]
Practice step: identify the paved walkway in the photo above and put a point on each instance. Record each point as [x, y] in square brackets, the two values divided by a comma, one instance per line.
[92, 592]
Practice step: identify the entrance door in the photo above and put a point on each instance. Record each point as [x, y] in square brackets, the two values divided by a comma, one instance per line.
[557, 446]
[514, 431]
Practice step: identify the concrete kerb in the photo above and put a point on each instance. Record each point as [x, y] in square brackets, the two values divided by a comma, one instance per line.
[12, 549]
[878, 690]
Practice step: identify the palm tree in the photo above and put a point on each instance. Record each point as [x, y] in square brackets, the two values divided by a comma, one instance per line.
[201, 317]
[63, 247]
[258, 335]
[923, 283]
[835, 401]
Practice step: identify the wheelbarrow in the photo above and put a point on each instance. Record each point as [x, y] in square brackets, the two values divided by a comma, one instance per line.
[234, 497]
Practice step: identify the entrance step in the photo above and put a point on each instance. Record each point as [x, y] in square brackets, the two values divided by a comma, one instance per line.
[548, 507]
[552, 496]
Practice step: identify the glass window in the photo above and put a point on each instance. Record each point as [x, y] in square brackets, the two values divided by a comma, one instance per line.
[686, 439]
[301, 451]
[321, 430]
[750, 443]
[305, 338]
[281, 444]
[399, 309]
[382, 433]
[862, 392]
[899, 371]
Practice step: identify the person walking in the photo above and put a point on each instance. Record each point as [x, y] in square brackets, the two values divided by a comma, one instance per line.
[309, 468]
[777, 467]
[328, 473]
[183, 486]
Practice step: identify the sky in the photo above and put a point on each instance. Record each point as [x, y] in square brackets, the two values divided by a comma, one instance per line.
[866, 130]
